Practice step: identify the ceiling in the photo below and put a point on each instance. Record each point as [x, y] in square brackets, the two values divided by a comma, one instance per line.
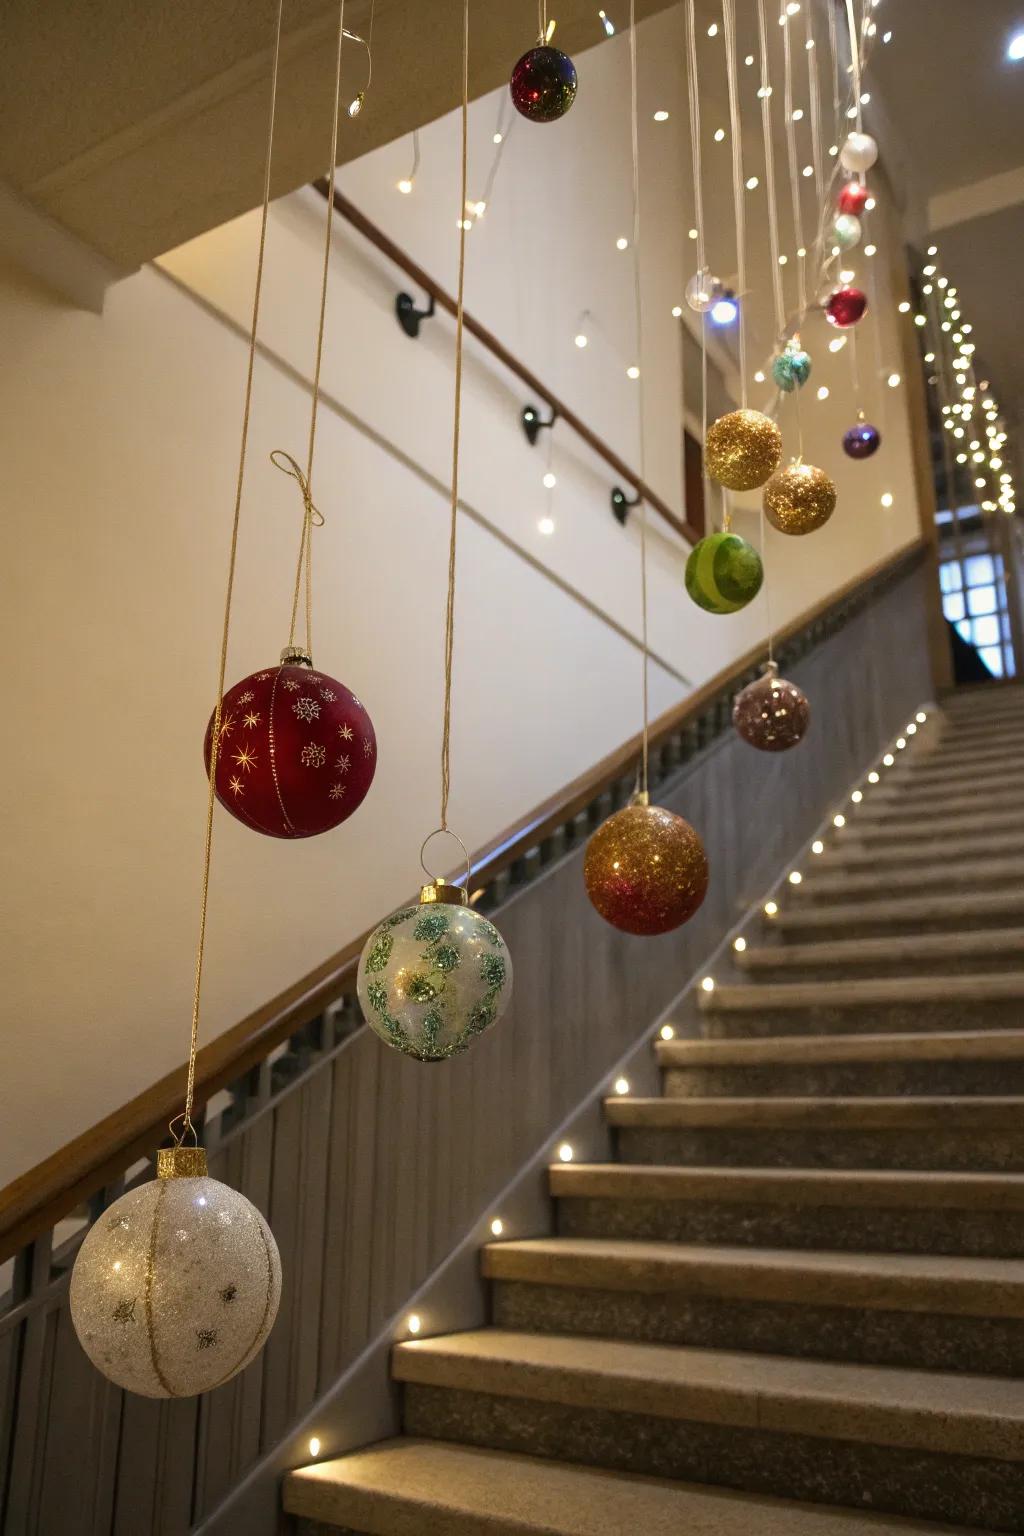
[137, 126]
[956, 106]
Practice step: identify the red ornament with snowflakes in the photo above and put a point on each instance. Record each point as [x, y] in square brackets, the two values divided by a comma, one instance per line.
[297, 750]
[853, 197]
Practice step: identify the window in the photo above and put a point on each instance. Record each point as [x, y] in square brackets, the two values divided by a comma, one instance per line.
[973, 587]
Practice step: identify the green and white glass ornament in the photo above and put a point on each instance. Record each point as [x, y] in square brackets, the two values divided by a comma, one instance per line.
[435, 976]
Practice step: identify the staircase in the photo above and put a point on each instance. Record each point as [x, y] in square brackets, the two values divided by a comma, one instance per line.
[795, 1304]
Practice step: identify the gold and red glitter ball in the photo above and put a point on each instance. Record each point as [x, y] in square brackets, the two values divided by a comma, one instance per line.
[645, 870]
[743, 449]
[297, 751]
[799, 499]
[543, 84]
[771, 714]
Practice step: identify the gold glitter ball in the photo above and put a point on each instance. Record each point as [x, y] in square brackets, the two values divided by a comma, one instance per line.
[646, 870]
[799, 499]
[742, 450]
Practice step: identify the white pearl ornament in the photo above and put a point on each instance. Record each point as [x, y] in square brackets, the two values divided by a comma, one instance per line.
[176, 1286]
[859, 153]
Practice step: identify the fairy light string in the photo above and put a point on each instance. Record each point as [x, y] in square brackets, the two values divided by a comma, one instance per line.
[814, 100]
[187, 1127]
[769, 175]
[729, 28]
[449, 621]
[639, 320]
[791, 156]
[693, 101]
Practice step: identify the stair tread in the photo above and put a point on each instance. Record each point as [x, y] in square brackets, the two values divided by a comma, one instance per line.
[982, 941]
[819, 880]
[798, 1186]
[978, 987]
[944, 1045]
[433, 1488]
[909, 908]
[935, 1411]
[878, 1281]
[937, 1112]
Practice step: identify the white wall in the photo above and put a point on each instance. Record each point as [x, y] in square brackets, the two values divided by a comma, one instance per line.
[119, 460]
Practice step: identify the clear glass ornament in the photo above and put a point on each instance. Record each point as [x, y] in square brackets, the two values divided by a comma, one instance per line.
[702, 290]
[176, 1287]
[434, 976]
[846, 231]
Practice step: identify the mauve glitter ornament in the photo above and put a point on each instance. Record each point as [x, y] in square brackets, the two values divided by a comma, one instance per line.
[645, 869]
[297, 753]
[177, 1284]
[771, 713]
[861, 441]
[543, 84]
[853, 197]
[799, 499]
[845, 307]
[743, 448]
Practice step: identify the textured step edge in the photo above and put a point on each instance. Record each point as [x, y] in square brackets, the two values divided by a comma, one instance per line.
[977, 944]
[941, 1286]
[936, 1113]
[819, 883]
[784, 1050]
[904, 990]
[904, 909]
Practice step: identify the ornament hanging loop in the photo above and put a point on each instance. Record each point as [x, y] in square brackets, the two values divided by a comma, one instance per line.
[288, 466]
[181, 1126]
[439, 879]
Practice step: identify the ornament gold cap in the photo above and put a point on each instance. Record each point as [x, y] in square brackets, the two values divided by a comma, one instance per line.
[443, 891]
[295, 656]
[640, 797]
[181, 1163]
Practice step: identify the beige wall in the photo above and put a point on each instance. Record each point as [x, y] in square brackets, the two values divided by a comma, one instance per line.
[120, 442]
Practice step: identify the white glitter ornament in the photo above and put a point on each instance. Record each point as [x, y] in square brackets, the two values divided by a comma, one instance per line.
[433, 977]
[859, 153]
[176, 1286]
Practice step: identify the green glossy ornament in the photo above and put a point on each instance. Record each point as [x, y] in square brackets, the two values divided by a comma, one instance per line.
[792, 368]
[724, 573]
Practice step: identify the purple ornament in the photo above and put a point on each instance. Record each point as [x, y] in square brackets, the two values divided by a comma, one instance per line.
[862, 440]
[543, 84]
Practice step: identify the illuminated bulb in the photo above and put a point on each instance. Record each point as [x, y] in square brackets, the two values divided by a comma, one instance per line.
[692, 234]
[622, 244]
[546, 526]
[677, 310]
[550, 481]
[920, 320]
[719, 135]
[911, 729]
[708, 984]
[839, 821]
[888, 759]
[621, 1085]
[887, 499]
[823, 392]
[797, 116]
[783, 260]
[808, 169]
[609, 26]
[759, 377]
[565, 1153]
[314, 1446]
[795, 877]
[838, 344]
[713, 29]
[817, 846]
[752, 182]
[414, 1322]
[581, 340]
[667, 1032]
[874, 777]
[355, 106]
[497, 1227]
[739, 945]
[405, 186]
[857, 796]
[661, 116]
[901, 744]
[771, 908]
[632, 372]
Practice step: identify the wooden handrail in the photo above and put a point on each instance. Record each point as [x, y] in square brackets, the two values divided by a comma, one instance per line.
[422, 279]
[42, 1196]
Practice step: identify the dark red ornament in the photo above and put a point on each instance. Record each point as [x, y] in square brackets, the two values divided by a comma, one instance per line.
[543, 84]
[853, 197]
[861, 441]
[771, 714]
[846, 306]
[297, 750]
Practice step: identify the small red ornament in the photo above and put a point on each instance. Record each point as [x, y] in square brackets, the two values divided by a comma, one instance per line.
[846, 306]
[853, 197]
[297, 750]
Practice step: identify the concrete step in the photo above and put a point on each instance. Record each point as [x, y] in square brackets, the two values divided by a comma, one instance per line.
[852, 1065]
[413, 1487]
[896, 853]
[989, 874]
[929, 1444]
[973, 1214]
[1002, 751]
[989, 950]
[941, 1133]
[903, 1004]
[876, 1309]
[930, 773]
[970, 823]
[903, 915]
[981, 733]
[908, 805]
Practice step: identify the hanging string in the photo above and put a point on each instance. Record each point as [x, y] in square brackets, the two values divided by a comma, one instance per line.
[729, 28]
[814, 99]
[449, 618]
[791, 155]
[693, 98]
[833, 45]
[187, 1127]
[305, 562]
[851, 22]
[639, 320]
[769, 176]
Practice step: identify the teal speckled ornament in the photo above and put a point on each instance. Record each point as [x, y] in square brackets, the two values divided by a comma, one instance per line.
[724, 573]
[792, 367]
